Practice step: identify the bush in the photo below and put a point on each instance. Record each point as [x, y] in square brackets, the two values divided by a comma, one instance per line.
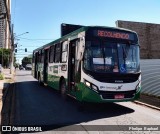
[1, 76]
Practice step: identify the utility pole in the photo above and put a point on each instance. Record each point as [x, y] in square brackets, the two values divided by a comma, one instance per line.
[12, 51]
[13, 37]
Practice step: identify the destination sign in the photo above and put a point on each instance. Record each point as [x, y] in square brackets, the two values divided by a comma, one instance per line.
[114, 34]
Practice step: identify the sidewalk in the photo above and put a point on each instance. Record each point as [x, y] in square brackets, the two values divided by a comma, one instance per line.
[8, 78]
[149, 101]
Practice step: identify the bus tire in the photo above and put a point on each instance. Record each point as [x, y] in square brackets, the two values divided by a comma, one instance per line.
[63, 89]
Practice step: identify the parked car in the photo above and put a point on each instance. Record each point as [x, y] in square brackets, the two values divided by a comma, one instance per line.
[21, 67]
[28, 67]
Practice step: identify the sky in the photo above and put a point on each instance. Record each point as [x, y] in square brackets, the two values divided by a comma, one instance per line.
[42, 18]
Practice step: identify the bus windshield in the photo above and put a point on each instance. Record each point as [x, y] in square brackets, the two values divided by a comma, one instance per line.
[111, 57]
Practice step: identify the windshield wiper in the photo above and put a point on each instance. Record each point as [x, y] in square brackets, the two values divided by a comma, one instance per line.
[125, 51]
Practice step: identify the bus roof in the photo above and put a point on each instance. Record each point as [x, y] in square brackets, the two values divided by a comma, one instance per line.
[84, 28]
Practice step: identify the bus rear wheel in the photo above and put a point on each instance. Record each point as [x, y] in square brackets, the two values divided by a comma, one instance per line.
[63, 89]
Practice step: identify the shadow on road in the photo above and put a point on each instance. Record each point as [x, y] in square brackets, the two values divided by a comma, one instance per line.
[37, 105]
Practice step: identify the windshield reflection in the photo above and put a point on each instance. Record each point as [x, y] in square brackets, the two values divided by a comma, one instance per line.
[111, 57]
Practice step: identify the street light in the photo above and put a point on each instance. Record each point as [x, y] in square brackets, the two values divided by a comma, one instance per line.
[21, 34]
[13, 47]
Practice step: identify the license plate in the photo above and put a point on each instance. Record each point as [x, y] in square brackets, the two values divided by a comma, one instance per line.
[119, 96]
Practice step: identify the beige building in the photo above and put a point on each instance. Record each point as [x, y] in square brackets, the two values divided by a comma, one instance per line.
[149, 37]
[5, 31]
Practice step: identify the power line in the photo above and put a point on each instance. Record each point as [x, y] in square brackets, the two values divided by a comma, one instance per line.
[21, 56]
[14, 11]
[33, 39]
[24, 54]
[31, 46]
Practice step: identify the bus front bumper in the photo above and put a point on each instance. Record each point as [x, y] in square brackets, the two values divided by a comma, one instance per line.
[86, 94]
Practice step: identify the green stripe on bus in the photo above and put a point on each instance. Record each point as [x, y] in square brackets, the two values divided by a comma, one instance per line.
[53, 81]
[84, 93]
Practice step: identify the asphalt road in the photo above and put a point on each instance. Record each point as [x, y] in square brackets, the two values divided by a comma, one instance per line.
[38, 105]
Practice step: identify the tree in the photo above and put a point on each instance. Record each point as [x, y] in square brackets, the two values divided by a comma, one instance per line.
[26, 60]
[5, 57]
[16, 64]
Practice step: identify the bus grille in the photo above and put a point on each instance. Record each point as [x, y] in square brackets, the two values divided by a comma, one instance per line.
[111, 94]
[112, 79]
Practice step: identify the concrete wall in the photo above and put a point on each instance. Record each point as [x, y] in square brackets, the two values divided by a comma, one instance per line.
[149, 37]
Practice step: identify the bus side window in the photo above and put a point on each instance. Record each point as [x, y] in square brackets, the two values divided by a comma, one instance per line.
[39, 56]
[57, 53]
[33, 58]
[51, 54]
[42, 57]
[64, 52]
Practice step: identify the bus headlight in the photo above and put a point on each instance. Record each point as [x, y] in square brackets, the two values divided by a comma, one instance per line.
[90, 85]
[94, 87]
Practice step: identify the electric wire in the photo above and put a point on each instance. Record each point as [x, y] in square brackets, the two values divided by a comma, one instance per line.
[14, 11]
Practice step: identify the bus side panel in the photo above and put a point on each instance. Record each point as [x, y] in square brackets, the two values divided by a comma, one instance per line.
[33, 70]
[53, 81]
[55, 72]
[34, 65]
[39, 70]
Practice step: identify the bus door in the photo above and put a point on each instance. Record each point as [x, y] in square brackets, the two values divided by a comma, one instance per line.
[45, 69]
[71, 65]
[35, 65]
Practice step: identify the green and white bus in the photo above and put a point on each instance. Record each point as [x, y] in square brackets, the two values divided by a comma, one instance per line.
[91, 64]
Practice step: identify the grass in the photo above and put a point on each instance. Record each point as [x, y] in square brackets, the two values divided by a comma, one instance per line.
[1, 76]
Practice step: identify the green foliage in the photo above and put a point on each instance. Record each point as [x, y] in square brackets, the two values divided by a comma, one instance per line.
[16, 64]
[30, 56]
[26, 60]
[5, 57]
[1, 76]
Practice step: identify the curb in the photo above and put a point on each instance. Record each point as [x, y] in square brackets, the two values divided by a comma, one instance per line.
[7, 103]
[13, 105]
[5, 91]
[145, 104]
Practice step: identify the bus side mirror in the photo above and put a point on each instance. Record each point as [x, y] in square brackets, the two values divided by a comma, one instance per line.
[81, 46]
